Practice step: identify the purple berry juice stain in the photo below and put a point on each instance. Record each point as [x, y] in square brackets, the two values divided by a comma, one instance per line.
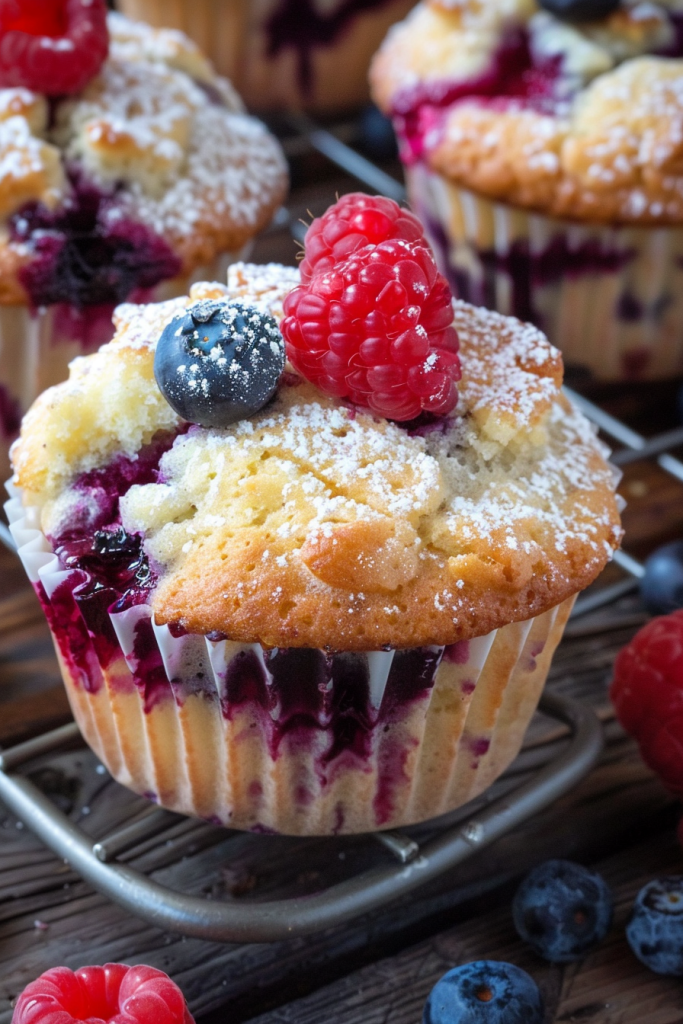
[512, 79]
[536, 650]
[301, 26]
[86, 257]
[112, 572]
[457, 654]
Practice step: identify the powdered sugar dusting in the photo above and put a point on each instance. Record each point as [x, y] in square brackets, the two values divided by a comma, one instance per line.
[262, 285]
[310, 490]
[512, 372]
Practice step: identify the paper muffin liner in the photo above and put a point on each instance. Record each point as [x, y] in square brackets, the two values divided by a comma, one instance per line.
[611, 298]
[294, 742]
[37, 345]
[272, 70]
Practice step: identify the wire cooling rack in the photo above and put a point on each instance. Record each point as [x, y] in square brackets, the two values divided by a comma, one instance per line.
[108, 861]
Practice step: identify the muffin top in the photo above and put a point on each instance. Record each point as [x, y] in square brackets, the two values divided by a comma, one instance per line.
[579, 119]
[315, 523]
[148, 172]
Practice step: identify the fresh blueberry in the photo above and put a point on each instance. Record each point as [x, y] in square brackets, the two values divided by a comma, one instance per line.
[484, 992]
[377, 134]
[655, 931]
[562, 910]
[662, 585]
[580, 10]
[219, 362]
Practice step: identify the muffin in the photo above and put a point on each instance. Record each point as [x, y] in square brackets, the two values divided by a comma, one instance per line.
[146, 177]
[313, 620]
[284, 53]
[543, 151]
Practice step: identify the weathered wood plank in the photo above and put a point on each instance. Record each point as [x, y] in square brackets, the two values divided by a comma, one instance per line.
[608, 987]
[609, 810]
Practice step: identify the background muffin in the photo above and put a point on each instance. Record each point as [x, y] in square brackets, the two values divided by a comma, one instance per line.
[314, 620]
[284, 53]
[147, 176]
[544, 156]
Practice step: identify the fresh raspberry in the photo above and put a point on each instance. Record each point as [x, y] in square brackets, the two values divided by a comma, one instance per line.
[123, 995]
[378, 330]
[52, 46]
[647, 692]
[355, 220]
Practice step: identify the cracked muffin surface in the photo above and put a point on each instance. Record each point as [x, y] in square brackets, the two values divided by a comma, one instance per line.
[317, 524]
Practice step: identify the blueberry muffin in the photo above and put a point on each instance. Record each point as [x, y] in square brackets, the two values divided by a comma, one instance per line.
[142, 175]
[284, 53]
[301, 616]
[542, 146]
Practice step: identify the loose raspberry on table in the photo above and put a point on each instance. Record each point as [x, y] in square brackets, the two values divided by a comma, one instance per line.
[647, 692]
[52, 46]
[124, 995]
[378, 330]
[354, 221]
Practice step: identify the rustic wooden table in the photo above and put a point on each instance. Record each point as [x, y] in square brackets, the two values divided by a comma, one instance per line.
[380, 968]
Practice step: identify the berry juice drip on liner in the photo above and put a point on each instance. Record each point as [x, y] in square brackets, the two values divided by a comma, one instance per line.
[302, 26]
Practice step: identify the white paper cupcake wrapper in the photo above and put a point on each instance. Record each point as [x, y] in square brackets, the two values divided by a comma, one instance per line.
[175, 745]
[36, 346]
[623, 323]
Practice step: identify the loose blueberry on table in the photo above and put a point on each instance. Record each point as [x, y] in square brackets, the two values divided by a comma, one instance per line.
[484, 992]
[647, 692]
[562, 910]
[116, 993]
[661, 588]
[655, 931]
[219, 362]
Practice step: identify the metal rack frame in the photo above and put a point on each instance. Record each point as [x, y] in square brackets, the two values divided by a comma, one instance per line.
[99, 861]
[270, 921]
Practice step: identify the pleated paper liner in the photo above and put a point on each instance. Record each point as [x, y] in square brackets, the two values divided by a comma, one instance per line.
[610, 298]
[212, 728]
